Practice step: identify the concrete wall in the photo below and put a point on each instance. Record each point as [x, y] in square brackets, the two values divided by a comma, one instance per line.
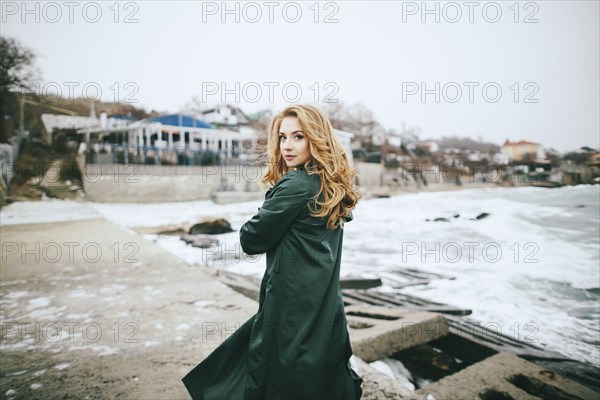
[155, 183]
[577, 174]
[369, 174]
[152, 183]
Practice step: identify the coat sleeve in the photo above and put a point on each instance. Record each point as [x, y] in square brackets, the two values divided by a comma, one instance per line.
[266, 229]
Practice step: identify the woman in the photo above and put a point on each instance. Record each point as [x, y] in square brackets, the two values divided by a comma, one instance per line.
[297, 345]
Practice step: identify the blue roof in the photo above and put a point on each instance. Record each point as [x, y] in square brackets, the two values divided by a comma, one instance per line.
[180, 120]
[123, 116]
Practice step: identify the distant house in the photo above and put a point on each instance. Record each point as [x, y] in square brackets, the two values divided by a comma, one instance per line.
[185, 133]
[516, 151]
[394, 140]
[171, 133]
[500, 158]
[264, 115]
[346, 139]
[477, 156]
[54, 122]
[429, 145]
[225, 116]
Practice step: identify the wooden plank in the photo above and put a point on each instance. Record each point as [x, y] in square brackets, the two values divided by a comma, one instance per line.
[484, 336]
[409, 274]
[404, 301]
[411, 283]
[419, 274]
[433, 274]
[353, 294]
[359, 283]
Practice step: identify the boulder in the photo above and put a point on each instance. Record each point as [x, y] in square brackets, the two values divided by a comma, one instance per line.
[215, 226]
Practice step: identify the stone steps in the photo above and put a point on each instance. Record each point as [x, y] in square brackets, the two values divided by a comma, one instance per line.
[506, 376]
[377, 332]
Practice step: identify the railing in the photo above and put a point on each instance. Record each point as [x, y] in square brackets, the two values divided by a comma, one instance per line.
[154, 155]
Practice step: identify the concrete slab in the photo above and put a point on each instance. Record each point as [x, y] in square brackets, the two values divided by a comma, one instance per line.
[378, 332]
[506, 376]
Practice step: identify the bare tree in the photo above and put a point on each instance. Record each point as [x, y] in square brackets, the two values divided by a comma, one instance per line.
[17, 72]
[357, 119]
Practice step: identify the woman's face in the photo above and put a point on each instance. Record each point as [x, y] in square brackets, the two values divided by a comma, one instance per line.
[293, 142]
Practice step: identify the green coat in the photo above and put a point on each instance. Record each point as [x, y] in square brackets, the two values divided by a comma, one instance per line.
[297, 345]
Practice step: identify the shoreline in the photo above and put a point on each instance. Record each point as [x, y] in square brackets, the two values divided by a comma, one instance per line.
[368, 192]
[83, 208]
[388, 191]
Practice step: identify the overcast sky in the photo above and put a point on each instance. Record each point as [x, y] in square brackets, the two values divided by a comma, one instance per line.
[499, 71]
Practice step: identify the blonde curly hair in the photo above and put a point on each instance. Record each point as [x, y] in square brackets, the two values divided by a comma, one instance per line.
[328, 159]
